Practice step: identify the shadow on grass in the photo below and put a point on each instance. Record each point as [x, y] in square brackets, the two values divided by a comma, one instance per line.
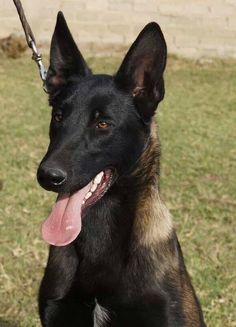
[4, 323]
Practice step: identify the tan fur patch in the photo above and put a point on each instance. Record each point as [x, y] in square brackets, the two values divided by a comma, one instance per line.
[153, 221]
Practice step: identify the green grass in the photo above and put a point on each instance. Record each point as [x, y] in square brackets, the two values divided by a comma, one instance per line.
[197, 125]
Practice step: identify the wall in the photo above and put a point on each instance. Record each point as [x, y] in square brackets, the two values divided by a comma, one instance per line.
[193, 28]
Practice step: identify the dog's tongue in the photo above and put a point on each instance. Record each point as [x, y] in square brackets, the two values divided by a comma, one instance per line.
[64, 222]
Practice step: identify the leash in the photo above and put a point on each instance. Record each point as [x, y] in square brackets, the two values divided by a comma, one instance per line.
[30, 39]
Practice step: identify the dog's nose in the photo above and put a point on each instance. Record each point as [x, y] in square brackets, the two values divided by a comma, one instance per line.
[56, 176]
[51, 178]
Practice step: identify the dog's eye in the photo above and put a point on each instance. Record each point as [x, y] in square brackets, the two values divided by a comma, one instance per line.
[102, 125]
[57, 117]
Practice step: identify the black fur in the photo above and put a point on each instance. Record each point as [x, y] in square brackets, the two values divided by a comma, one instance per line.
[106, 264]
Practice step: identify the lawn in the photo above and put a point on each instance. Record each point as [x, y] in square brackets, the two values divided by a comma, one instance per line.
[197, 126]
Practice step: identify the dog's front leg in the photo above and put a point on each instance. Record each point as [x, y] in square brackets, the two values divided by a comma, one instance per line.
[58, 306]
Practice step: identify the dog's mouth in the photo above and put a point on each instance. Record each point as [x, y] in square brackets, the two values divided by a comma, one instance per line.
[98, 187]
[64, 223]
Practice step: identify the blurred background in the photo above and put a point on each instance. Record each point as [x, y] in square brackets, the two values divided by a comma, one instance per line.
[196, 123]
[193, 28]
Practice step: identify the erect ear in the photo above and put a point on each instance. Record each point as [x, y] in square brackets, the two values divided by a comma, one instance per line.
[66, 61]
[141, 72]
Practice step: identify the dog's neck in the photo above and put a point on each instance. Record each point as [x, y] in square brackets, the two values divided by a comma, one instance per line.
[152, 222]
[147, 169]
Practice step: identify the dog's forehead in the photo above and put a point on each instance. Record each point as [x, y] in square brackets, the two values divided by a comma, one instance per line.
[92, 92]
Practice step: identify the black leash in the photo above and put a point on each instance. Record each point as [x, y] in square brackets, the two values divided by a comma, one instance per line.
[30, 39]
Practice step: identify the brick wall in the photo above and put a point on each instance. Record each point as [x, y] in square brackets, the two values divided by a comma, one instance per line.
[193, 28]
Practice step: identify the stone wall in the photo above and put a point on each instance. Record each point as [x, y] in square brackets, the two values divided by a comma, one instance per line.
[193, 28]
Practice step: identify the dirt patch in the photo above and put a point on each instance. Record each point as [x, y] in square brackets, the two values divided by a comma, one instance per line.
[12, 46]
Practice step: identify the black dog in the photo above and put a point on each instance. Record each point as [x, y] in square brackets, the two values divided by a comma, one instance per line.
[115, 259]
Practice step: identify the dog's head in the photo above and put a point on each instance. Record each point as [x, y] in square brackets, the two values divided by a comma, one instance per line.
[100, 123]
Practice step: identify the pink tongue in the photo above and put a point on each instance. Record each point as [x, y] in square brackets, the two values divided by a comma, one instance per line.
[63, 224]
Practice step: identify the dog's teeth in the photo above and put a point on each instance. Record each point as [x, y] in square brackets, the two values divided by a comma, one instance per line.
[98, 178]
[93, 188]
[87, 196]
[83, 202]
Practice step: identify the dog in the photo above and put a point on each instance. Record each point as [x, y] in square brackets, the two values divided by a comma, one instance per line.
[114, 258]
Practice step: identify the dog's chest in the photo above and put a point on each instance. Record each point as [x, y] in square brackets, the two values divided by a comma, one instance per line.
[100, 316]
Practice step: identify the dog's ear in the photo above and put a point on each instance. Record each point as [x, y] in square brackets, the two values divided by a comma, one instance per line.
[141, 72]
[66, 61]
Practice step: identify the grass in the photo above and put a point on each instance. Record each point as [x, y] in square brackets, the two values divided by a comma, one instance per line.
[197, 127]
